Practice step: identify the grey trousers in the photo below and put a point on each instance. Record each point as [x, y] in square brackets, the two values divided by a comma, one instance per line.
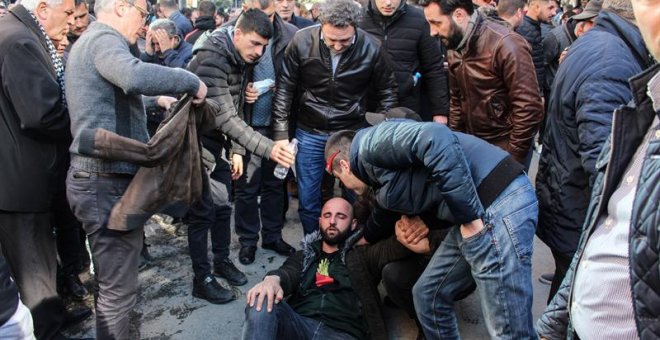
[115, 253]
[28, 244]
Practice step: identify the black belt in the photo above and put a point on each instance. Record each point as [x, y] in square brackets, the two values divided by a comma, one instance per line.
[498, 179]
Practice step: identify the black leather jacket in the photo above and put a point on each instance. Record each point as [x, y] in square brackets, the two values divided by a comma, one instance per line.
[330, 102]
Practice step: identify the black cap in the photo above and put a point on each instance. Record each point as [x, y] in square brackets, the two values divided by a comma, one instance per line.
[374, 118]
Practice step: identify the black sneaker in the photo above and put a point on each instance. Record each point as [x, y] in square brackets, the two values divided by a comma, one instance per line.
[228, 271]
[280, 247]
[210, 290]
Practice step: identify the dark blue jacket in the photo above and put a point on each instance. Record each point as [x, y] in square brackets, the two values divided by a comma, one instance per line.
[530, 29]
[415, 168]
[629, 127]
[591, 82]
[176, 57]
[300, 22]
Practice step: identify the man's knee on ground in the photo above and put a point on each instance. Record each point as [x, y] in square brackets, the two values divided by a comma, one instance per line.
[252, 315]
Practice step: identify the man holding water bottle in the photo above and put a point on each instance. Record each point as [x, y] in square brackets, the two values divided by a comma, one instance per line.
[328, 71]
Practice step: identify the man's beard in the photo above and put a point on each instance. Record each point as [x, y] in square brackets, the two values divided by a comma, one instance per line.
[339, 237]
[455, 37]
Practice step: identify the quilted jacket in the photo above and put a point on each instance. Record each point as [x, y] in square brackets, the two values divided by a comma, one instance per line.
[630, 124]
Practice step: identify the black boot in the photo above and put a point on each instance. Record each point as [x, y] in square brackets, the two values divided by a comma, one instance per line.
[72, 287]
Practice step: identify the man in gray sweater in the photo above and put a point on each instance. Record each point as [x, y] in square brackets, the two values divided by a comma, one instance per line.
[105, 83]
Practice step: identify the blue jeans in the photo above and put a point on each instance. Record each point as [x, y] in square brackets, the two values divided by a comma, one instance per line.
[310, 165]
[499, 258]
[284, 323]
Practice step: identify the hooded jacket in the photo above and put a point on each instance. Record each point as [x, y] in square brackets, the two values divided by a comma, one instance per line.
[493, 93]
[330, 101]
[630, 124]
[410, 48]
[591, 82]
[219, 65]
[364, 264]
[202, 24]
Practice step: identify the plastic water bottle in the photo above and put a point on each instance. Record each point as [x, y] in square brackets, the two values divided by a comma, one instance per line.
[281, 171]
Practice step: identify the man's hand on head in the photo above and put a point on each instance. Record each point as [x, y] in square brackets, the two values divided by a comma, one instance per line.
[268, 289]
[149, 45]
[164, 40]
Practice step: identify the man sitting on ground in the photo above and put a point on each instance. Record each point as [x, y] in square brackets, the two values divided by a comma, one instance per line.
[330, 283]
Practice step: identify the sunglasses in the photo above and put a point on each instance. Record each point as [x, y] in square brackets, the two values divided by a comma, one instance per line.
[328, 165]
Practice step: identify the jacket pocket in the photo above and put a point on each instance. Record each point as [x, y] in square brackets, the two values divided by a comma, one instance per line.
[497, 110]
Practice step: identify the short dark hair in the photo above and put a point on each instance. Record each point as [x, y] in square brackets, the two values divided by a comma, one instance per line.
[339, 145]
[80, 2]
[206, 9]
[509, 7]
[255, 20]
[169, 3]
[449, 6]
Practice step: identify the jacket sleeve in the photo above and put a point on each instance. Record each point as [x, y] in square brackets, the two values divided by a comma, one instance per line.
[383, 84]
[513, 58]
[401, 145]
[553, 323]
[434, 74]
[285, 91]
[213, 70]
[37, 98]
[596, 100]
[175, 58]
[456, 121]
[551, 48]
[290, 273]
[380, 224]
[118, 66]
[381, 253]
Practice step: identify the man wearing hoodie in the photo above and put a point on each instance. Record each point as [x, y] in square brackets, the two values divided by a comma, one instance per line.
[205, 22]
[415, 55]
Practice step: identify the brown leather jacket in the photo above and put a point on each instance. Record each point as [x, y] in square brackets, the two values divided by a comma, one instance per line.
[493, 88]
[170, 176]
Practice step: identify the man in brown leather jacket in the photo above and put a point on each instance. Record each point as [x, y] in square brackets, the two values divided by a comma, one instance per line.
[493, 88]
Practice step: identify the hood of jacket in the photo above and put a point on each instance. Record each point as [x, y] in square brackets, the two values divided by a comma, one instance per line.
[205, 23]
[609, 21]
[311, 247]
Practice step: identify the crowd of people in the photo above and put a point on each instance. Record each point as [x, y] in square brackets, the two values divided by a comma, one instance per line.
[427, 113]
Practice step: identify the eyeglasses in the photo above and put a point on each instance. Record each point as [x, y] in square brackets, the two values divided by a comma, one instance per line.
[143, 12]
[328, 165]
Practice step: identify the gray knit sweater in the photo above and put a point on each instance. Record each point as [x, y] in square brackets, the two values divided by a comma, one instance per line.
[105, 82]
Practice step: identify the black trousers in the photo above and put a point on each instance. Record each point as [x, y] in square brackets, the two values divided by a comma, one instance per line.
[211, 213]
[258, 181]
[562, 262]
[70, 237]
[28, 244]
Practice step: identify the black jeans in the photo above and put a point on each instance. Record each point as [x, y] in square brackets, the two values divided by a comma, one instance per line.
[212, 212]
[69, 234]
[28, 244]
[114, 253]
[258, 180]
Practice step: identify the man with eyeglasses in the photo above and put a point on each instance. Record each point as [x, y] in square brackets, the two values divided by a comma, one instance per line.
[285, 11]
[328, 70]
[106, 81]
